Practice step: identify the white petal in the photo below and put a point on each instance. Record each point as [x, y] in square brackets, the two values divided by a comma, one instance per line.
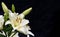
[1, 18]
[30, 33]
[2, 33]
[21, 16]
[24, 22]
[12, 16]
[27, 35]
[10, 11]
[28, 27]
[22, 30]
[8, 22]
[1, 21]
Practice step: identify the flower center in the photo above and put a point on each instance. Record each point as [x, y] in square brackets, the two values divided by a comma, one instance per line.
[17, 21]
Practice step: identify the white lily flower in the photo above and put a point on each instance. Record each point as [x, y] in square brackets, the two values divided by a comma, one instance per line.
[19, 23]
[1, 22]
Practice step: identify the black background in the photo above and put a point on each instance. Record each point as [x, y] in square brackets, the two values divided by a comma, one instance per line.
[42, 18]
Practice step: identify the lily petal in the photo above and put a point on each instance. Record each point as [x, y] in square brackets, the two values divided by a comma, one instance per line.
[28, 27]
[24, 22]
[30, 33]
[27, 35]
[1, 21]
[8, 22]
[1, 18]
[21, 16]
[22, 30]
[3, 33]
[12, 16]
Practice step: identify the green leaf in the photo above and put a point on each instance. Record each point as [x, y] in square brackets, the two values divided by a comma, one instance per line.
[27, 11]
[8, 29]
[5, 9]
[1, 35]
[13, 8]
